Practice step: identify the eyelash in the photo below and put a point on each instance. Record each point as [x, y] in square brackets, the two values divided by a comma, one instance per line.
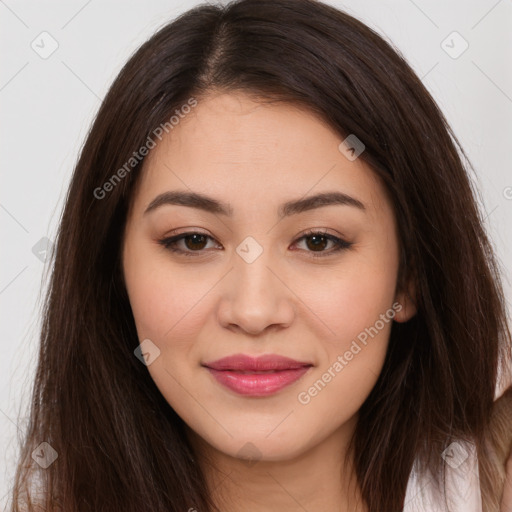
[170, 243]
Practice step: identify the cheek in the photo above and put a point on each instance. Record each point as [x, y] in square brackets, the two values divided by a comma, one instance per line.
[356, 305]
[166, 307]
[352, 298]
[163, 300]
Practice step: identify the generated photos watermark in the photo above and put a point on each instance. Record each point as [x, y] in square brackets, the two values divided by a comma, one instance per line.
[304, 397]
[143, 151]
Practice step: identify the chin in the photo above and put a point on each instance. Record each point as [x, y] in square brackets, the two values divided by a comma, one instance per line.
[261, 448]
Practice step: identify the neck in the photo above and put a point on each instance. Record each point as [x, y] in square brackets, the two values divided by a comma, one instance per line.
[321, 478]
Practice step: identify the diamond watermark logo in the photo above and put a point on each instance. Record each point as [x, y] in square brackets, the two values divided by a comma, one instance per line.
[44, 45]
[250, 454]
[351, 147]
[455, 455]
[249, 250]
[45, 455]
[147, 352]
[454, 45]
[42, 249]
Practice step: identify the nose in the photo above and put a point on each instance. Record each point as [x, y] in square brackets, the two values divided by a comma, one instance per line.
[256, 297]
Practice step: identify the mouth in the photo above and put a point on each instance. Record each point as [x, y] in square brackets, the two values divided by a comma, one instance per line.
[261, 376]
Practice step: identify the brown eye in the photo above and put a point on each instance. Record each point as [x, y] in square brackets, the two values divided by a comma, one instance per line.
[194, 243]
[191, 243]
[317, 242]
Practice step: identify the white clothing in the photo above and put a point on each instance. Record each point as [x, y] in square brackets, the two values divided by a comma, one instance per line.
[462, 490]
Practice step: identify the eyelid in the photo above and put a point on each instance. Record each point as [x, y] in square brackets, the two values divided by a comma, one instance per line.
[340, 243]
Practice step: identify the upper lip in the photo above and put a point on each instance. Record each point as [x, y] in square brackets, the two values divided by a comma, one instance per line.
[245, 362]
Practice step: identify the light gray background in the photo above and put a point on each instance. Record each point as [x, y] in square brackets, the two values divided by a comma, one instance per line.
[48, 105]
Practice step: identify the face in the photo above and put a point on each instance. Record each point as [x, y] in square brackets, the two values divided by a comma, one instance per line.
[257, 268]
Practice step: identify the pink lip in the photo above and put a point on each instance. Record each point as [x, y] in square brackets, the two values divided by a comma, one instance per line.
[261, 376]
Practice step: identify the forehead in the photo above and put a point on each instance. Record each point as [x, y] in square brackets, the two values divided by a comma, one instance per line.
[233, 146]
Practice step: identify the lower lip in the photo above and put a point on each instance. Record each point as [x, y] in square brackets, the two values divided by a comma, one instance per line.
[258, 384]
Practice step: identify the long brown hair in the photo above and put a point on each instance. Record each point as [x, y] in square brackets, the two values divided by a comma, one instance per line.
[120, 445]
[499, 449]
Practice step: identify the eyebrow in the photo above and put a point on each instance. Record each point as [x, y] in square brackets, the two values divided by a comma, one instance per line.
[211, 205]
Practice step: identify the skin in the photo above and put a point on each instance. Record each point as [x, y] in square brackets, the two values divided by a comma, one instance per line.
[210, 305]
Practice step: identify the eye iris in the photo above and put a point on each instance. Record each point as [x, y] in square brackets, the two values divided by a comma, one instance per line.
[316, 244]
[195, 238]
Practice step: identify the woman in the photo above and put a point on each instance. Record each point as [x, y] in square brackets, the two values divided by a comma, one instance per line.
[272, 288]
